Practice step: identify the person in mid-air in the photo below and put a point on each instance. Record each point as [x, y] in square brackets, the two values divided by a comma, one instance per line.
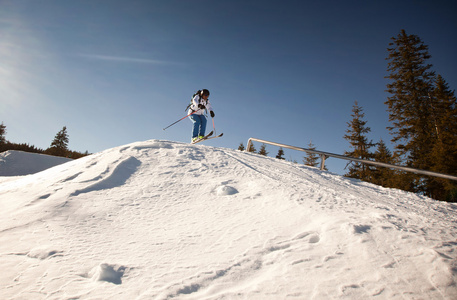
[199, 105]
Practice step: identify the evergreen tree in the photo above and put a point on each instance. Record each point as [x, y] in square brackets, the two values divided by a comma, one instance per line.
[444, 152]
[59, 146]
[280, 154]
[409, 106]
[381, 175]
[424, 115]
[311, 159]
[2, 134]
[356, 135]
[263, 150]
[241, 147]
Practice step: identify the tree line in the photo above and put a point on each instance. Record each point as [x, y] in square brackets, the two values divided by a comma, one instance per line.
[58, 147]
[310, 159]
[423, 114]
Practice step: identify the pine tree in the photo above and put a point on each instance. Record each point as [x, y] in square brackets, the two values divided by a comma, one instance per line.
[409, 106]
[311, 159]
[356, 135]
[2, 134]
[263, 150]
[381, 175]
[241, 147]
[280, 154]
[59, 146]
[444, 152]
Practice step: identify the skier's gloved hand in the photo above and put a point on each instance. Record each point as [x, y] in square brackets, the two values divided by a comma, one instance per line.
[212, 114]
[201, 106]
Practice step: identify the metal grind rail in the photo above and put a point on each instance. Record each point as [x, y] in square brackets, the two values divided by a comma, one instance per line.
[325, 155]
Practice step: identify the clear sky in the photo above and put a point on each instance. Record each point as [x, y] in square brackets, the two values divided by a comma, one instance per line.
[116, 72]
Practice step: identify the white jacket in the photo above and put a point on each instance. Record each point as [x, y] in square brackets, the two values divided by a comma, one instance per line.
[199, 100]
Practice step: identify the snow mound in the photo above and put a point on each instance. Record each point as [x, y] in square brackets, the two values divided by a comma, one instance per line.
[108, 273]
[226, 190]
[19, 163]
[196, 222]
[43, 252]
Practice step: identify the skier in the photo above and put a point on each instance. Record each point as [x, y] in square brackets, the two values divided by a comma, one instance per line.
[200, 103]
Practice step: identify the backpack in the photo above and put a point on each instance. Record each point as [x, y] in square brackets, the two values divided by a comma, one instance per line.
[190, 104]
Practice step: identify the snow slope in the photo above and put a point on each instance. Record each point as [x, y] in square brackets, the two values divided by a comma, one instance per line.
[161, 220]
[18, 163]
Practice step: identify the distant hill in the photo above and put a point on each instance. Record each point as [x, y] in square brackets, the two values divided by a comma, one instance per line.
[18, 163]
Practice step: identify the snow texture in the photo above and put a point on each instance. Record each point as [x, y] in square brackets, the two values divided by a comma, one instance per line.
[162, 220]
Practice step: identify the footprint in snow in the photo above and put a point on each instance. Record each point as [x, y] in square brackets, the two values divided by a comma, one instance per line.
[359, 229]
[312, 237]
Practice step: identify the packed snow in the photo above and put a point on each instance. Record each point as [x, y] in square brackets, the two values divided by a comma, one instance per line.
[18, 163]
[160, 220]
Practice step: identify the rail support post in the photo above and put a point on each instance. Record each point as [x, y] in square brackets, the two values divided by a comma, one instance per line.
[323, 158]
[249, 145]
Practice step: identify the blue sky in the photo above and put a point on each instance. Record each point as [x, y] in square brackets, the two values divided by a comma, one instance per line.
[116, 72]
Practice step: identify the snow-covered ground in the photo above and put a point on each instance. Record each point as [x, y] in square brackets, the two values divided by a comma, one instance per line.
[160, 220]
[18, 163]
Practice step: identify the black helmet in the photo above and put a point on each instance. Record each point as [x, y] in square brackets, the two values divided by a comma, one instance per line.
[205, 92]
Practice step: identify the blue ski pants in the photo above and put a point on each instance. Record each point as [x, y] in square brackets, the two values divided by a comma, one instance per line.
[199, 126]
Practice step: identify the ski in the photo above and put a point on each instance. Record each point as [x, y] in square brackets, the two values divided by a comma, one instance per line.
[202, 139]
[213, 137]
[209, 138]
